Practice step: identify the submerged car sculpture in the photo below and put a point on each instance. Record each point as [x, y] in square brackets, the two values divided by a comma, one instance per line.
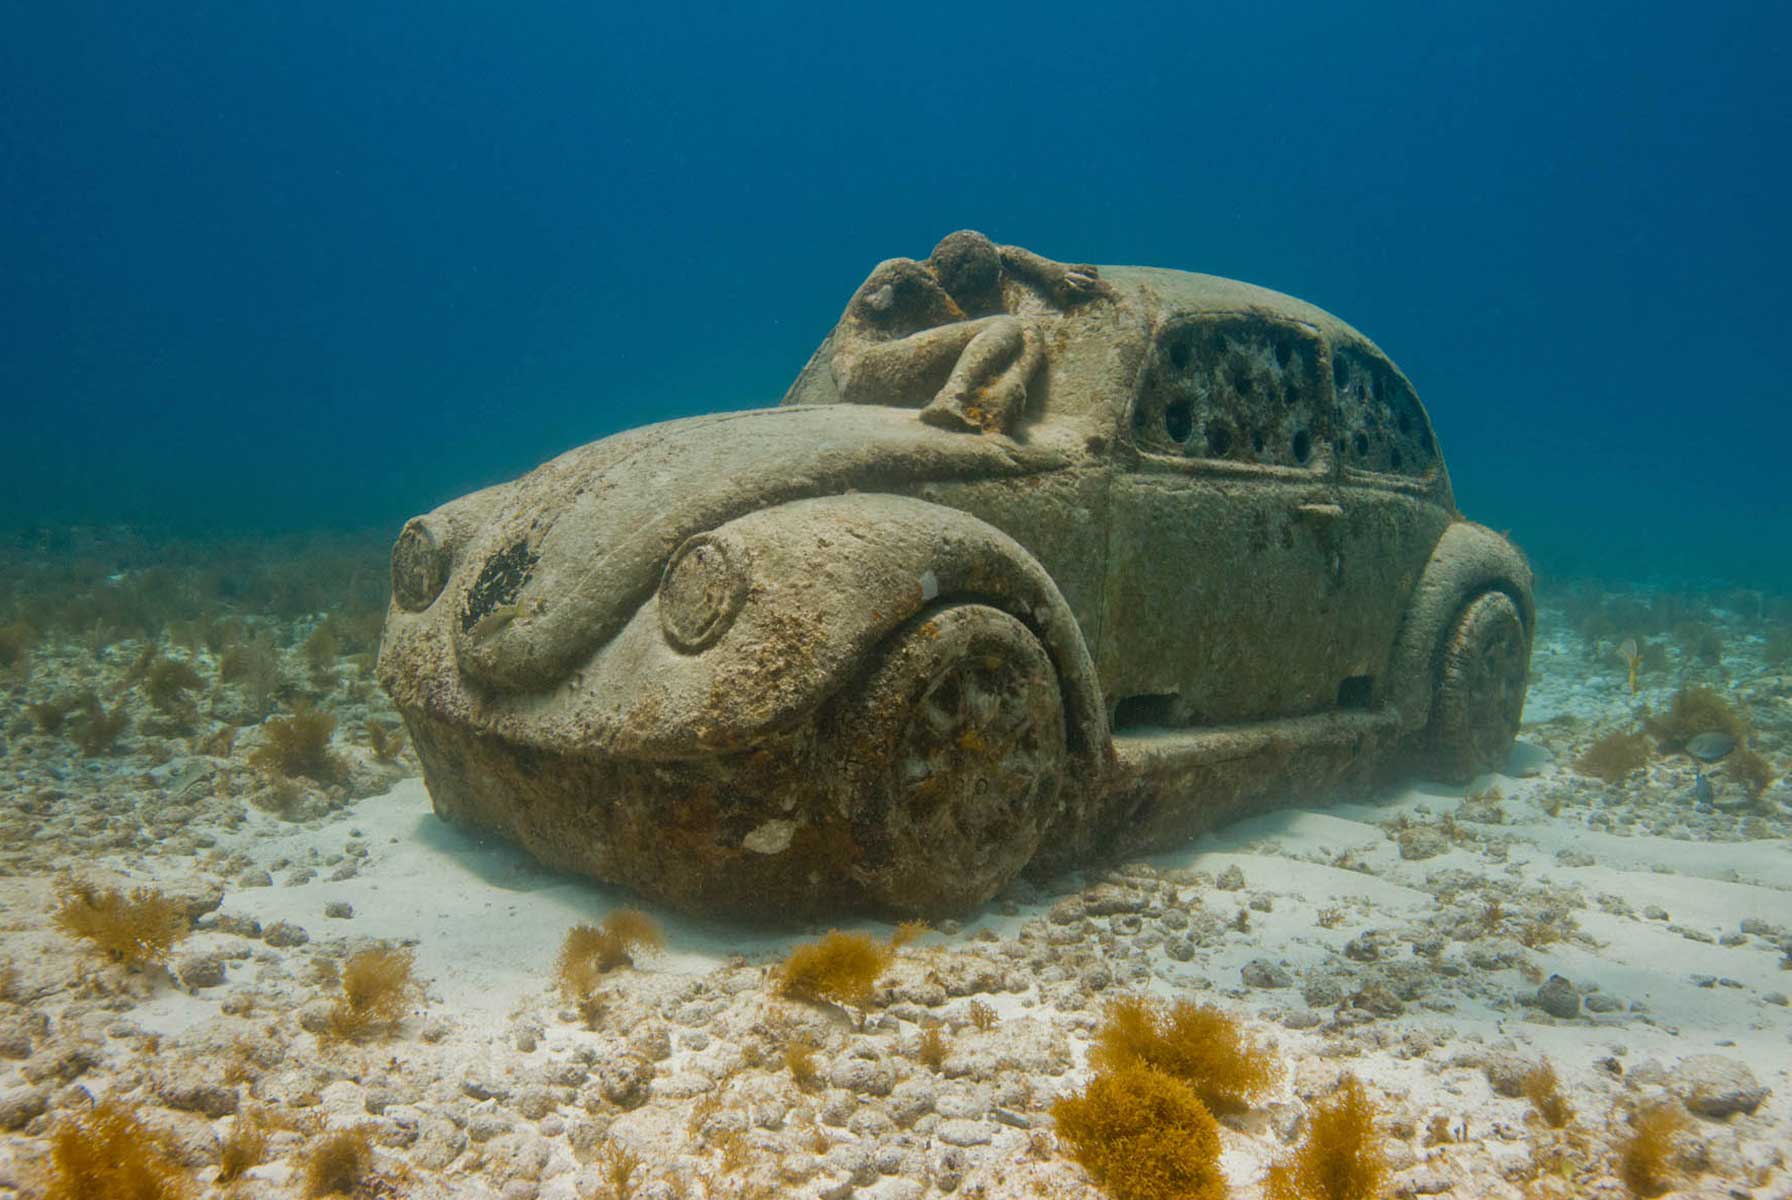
[1036, 563]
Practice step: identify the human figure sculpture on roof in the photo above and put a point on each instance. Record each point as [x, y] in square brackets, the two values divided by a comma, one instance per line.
[969, 314]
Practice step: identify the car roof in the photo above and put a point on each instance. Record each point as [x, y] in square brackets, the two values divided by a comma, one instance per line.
[1188, 293]
[1151, 297]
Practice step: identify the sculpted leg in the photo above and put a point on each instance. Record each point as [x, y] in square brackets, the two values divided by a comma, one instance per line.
[988, 388]
[904, 372]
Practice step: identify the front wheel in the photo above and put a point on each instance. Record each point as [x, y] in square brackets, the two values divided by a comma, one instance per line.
[1480, 689]
[954, 748]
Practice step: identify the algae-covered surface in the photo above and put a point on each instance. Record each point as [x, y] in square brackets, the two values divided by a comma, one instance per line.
[1438, 944]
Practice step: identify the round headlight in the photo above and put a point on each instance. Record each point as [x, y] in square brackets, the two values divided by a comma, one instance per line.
[419, 566]
[703, 588]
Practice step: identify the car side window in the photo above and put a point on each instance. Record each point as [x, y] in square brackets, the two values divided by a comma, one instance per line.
[1236, 388]
[1382, 426]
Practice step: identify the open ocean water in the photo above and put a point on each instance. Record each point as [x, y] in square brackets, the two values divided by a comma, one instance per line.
[278, 268]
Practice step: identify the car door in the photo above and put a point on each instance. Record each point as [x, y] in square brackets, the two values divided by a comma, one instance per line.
[1223, 559]
[1395, 497]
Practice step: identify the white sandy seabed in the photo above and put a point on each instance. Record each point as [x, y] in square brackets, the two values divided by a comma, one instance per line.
[1677, 938]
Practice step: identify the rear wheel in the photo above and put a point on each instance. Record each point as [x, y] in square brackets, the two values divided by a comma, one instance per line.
[955, 749]
[1481, 687]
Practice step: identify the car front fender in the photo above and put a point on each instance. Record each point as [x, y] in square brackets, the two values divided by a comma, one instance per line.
[823, 581]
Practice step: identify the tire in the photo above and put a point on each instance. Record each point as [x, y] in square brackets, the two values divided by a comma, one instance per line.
[954, 755]
[1480, 690]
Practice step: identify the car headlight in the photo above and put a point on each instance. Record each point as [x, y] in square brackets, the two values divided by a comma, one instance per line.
[703, 588]
[420, 565]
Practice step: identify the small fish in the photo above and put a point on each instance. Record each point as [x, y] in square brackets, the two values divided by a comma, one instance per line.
[1701, 789]
[1710, 747]
[495, 620]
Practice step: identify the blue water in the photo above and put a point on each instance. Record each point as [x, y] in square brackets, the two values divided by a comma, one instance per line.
[275, 266]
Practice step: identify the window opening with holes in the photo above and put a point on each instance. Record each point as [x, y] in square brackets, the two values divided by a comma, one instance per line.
[1236, 388]
[1382, 427]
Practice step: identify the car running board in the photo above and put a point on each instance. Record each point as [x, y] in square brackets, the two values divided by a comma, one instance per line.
[1148, 749]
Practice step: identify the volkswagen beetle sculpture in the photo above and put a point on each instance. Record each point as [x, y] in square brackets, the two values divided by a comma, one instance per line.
[1036, 563]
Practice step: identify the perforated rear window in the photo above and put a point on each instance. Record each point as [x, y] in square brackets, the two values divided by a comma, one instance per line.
[1235, 388]
[1381, 423]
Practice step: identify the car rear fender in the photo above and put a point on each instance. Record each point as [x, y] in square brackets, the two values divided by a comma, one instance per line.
[1469, 559]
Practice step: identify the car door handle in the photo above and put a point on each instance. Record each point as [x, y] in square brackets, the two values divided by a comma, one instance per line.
[1319, 514]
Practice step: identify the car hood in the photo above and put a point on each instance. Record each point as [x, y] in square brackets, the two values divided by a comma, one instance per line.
[575, 547]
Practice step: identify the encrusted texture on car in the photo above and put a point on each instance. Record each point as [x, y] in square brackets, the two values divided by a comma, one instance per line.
[1036, 562]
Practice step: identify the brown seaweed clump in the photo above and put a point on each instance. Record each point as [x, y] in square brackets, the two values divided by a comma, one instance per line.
[1750, 769]
[298, 745]
[616, 1166]
[1699, 642]
[592, 951]
[16, 640]
[167, 682]
[385, 740]
[1143, 1135]
[137, 929]
[1342, 1157]
[246, 1147]
[377, 990]
[253, 666]
[1205, 1048]
[1645, 1152]
[337, 1164]
[1543, 1088]
[609, 944]
[841, 967]
[49, 715]
[931, 1049]
[1614, 756]
[1694, 710]
[107, 1152]
[799, 1060]
[99, 727]
[320, 652]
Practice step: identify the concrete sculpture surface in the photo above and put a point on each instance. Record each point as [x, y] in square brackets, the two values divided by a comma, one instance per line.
[1036, 563]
